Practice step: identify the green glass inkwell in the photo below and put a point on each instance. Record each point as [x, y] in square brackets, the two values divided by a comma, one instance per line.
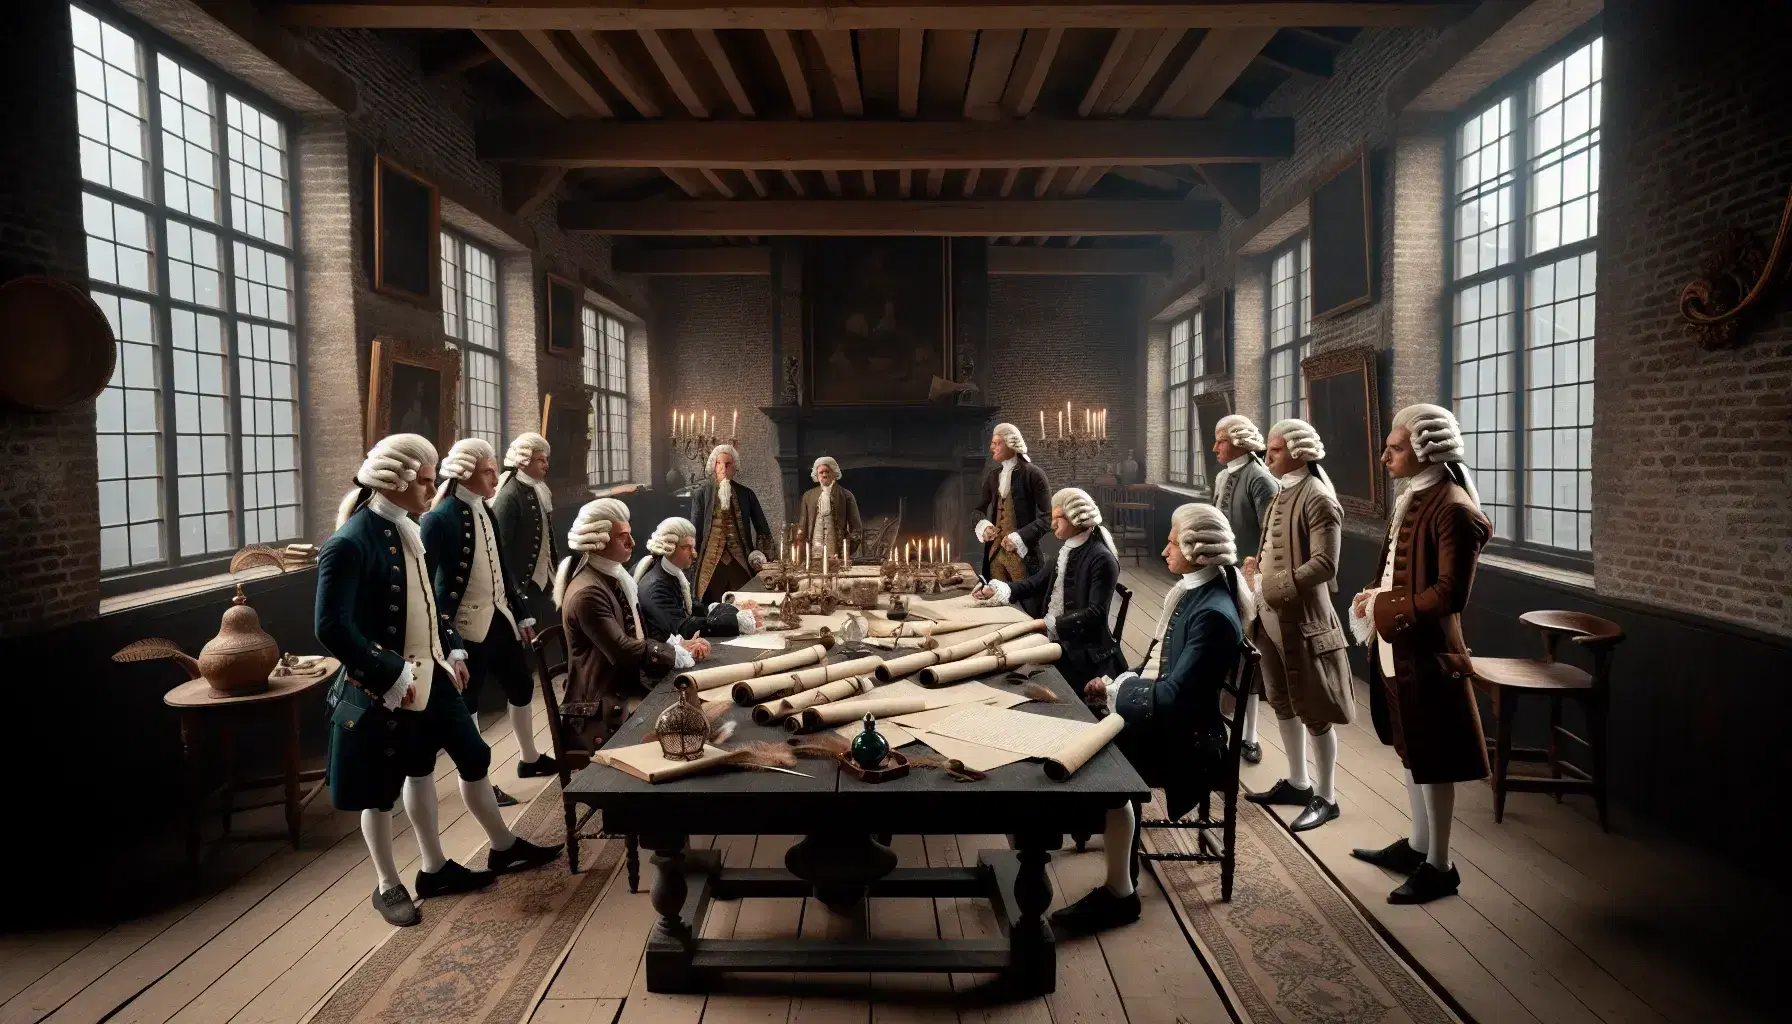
[869, 748]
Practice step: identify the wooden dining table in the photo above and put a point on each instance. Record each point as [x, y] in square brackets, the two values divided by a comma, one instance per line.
[839, 858]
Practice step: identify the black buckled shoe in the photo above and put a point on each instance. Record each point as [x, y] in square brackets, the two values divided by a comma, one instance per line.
[396, 907]
[1427, 884]
[504, 799]
[521, 856]
[1252, 752]
[1318, 812]
[542, 766]
[451, 879]
[1098, 911]
[1398, 856]
[1282, 794]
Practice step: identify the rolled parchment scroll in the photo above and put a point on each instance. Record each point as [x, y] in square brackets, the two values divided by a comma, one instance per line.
[896, 668]
[1007, 656]
[725, 675]
[780, 708]
[913, 628]
[827, 715]
[752, 691]
[1063, 764]
[766, 599]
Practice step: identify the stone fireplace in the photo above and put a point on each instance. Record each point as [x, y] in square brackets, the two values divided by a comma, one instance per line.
[927, 460]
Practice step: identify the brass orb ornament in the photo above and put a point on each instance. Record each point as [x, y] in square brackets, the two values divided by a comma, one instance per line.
[683, 728]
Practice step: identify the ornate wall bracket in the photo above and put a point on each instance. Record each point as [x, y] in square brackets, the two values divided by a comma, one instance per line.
[1737, 281]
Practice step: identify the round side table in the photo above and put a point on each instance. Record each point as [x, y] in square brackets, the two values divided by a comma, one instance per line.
[202, 710]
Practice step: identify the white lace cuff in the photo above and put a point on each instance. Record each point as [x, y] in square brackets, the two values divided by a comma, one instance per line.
[1051, 626]
[394, 696]
[986, 530]
[682, 658]
[1020, 546]
[1000, 597]
[748, 624]
[1363, 626]
[1113, 694]
[457, 655]
[526, 624]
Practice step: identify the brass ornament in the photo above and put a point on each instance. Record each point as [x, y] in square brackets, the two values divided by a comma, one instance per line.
[683, 728]
[1720, 306]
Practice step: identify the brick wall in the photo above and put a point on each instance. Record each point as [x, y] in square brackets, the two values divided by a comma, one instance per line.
[1692, 449]
[1059, 339]
[718, 339]
[49, 507]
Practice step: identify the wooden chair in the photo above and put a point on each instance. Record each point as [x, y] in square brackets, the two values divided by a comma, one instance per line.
[550, 664]
[1132, 529]
[1221, 850]
[1119, 629]
[1107, 495]
[1506, 679]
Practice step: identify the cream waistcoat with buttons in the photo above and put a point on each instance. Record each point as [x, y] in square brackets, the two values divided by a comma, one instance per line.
[422, 639]
[485, 587]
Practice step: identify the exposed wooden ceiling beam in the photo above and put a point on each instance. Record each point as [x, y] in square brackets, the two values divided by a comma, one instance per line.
[452, 53]
[1299, 53]
[996, 51]
[843, 67]
[885, 145]
[717, 182]
[1210, 70]
[1037, 49]
[1151, 177]
[1161, 48]
[1014, 259]
[687, 180]
[522, 56]
[958, 217]
[676, 76]
[791, 64]
[1109, 61]
[731, 261]
[712, 47]
[627, 81]
[525, 188]
[823, 15]
[1240, 185]
[286, 50]
[908, 71]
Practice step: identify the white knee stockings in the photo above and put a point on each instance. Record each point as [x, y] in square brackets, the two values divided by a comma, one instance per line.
[420, 807]
[525, 732]
[1294, 745]
[1249, 719]
[376, 828]
[1433, 807]
[482, 803]
[1325, 758]
[1116, 843]
[1325, 765]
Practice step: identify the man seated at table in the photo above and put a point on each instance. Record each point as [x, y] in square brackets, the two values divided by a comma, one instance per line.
[1174, 733]
[665, 583]
[1079, 587]
[608, 650]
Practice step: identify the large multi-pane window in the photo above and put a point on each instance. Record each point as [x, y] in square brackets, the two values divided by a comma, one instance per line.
[1524, 226]
[1290, 329]
[606, 373]
[1187, 363]
[470, 318]
[187, 202]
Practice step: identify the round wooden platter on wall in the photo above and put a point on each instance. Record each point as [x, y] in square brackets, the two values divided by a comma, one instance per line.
[56, 346]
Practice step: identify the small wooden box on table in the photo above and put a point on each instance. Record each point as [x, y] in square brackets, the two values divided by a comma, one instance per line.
[839, 861]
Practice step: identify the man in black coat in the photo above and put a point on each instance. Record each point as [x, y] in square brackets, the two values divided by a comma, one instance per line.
[1013, 513]
[1174, 733]
[1076, 590]
[733, 537]
[523, 511]
[666, 607]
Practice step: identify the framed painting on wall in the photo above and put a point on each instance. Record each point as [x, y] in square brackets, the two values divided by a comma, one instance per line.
[565, 334]
[1341, 219]
[407, 236]
[566, 423]
[1210, 408]
[1344, 405]
[413, 389]
[878, 314]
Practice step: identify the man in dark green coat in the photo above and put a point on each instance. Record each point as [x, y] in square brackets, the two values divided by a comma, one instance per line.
[524, 511]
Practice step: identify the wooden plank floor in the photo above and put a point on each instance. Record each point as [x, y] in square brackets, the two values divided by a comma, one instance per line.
[1557, 923]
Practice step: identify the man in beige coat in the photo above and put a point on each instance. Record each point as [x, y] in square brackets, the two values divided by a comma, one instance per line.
[830, 512]
[1306, 672]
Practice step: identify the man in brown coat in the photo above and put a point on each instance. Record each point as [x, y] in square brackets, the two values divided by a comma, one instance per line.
[830, 512]
[608, 651]
[1306, 672]
[1421, 694]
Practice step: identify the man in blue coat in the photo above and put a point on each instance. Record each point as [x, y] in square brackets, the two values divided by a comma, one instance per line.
[1174, 733]
[477, 592]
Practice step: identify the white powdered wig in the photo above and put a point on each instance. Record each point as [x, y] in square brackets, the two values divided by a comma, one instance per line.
[1302, 440]
[664, 541]
[391, 465]
[825, 460]
[524, 448]
[1204, 536]
[590, 534]
[1083, 512]
[1437, 438]
[461, 461]
[1010, 435]
[709, 465]
[1243, 433]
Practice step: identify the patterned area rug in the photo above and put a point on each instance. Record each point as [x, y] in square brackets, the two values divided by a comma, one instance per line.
[479, 958]
[1289, 947]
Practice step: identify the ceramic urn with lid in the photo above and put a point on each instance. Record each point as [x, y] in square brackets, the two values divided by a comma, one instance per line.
[238, 660]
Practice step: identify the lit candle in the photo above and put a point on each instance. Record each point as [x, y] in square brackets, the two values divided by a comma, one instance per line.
[1042, 423]
[948, 552]
[824, 560]
[845, 556]
[734, 428]
[806, 557]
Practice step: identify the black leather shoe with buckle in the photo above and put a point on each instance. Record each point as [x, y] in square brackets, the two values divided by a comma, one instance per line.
[395, 906]
[1282, 794]
[452, 878]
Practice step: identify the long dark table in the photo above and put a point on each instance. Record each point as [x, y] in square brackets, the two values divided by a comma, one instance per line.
[839, 858]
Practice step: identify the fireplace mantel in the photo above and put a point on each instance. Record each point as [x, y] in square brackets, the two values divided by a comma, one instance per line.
[951, 438]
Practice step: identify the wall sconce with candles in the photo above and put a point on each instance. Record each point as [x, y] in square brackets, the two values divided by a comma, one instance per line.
[696, 433]
[1078, 435]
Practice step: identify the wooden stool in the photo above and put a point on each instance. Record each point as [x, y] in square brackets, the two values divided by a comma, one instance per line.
[201, 708]
[1506, 679]
[1132, 529]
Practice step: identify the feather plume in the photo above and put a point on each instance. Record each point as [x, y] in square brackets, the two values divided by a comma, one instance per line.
[253, 555]
[821, 744]
[151, 649]
[1041, 693]
[721, 733]
[761, 754]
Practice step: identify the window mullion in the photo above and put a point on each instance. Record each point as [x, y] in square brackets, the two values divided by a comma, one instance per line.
[233, 388]
[169, 439]
[1521, 330]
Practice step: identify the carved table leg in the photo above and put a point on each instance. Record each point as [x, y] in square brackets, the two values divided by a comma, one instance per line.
[668, 955]
[1035, 965]
[840, 866]
[189, 749]
[631, 848]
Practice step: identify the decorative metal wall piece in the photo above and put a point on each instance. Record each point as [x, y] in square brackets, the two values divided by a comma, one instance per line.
[1721, 305]
[793, 380]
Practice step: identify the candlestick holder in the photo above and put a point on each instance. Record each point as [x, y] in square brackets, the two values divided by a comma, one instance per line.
[1076, 447]
[692, 447]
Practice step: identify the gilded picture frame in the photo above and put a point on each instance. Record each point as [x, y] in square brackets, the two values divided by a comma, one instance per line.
[398, 270]
[1344, 404]
[413, 389]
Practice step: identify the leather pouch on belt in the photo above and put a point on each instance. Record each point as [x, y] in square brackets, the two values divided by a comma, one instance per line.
[349, 704]
[1323, 638]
